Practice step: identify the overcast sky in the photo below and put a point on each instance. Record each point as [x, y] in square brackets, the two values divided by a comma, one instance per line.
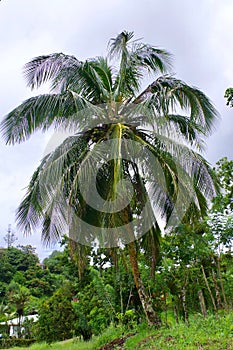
[198, 34]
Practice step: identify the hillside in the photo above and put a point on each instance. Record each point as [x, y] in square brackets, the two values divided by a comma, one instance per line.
[213, 332]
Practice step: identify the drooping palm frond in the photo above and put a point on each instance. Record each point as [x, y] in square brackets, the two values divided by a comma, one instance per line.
[42, 69]
[30, 212]
[178, 174]
[160, 106]
[68, 110]
[80, 255]
[170, 93]
[175, 126]
[151, 59]
[45, 202]
[150, 243]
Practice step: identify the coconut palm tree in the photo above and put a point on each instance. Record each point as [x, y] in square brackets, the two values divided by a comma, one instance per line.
[133, 158]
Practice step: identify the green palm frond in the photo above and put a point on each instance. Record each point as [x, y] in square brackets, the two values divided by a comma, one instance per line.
[48, 188]
[172, 92]
[143, 56]
[30, 212]
[135, 58]
[41, 112]
[175, 126]
[93, 80]
[183, 173]
[55, 220]
[42, 69]
[118, 45]
[151, 59]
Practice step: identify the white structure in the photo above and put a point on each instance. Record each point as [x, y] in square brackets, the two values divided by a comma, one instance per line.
[13, 325]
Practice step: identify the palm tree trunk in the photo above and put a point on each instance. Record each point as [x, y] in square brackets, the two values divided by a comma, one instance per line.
[151, 316]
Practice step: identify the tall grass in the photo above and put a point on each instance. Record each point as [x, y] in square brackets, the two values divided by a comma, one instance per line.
[78, 344]
[213, 333]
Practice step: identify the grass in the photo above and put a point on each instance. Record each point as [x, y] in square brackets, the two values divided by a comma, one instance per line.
[214, 332]
[77, 344]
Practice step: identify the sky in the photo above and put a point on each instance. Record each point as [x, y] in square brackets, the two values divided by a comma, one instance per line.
[197, 33]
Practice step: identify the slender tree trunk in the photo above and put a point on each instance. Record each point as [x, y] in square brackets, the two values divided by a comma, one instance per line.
[176, 314]
[217, 292]
[208, 287]
[202, 302]
[122, 305]
[221, 281]
[183, 297]
[154, 256]
[151, 316]
[153, 262]
[165, 306]
[129, 298]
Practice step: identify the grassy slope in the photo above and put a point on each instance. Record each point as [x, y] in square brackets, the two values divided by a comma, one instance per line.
[214, 332]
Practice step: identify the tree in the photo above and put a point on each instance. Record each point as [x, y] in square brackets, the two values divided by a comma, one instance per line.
[220, 219]
[22, 257]
[133, 158]
[229, 96]
[18, 295]
[223, 202]
[57, 317]
[10, 237]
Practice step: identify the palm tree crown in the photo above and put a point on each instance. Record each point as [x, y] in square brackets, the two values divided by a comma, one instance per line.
[148, 137]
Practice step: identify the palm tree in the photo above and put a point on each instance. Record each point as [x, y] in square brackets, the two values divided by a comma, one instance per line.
[138, 146]
[18, 295]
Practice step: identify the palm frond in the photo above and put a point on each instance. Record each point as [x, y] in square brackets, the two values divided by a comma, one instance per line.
[41, 112]
[118, 45]
[174, 92]
[182, 173]
[90, 78]
[30, 212]
[151, 58]
[47, 67]
[135, 58]
[55, 217]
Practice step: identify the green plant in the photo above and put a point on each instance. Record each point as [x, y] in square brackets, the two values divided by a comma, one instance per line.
[128, 319]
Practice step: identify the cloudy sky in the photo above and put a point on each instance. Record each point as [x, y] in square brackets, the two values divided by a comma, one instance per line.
[198, 34]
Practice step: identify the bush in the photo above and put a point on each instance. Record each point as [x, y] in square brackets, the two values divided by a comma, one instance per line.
[56, 318]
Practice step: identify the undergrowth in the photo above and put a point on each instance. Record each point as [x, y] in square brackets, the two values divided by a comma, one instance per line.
[214, 332]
